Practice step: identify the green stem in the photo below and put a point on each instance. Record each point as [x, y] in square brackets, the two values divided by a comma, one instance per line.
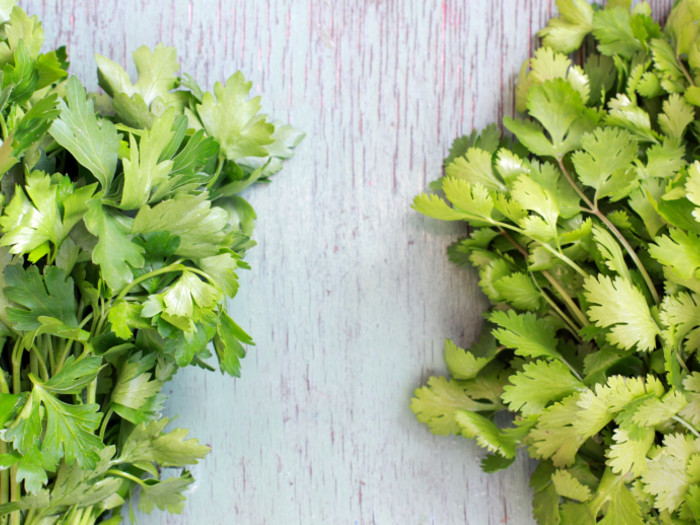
[105, 420]
[37, 361]
[573, 329]
[685, 71]
[687, 425]
[15, 517]
[564, 258]
[618, 235]
[173, 267]
[125, 475]
[570, 304]
[92, 392]
[3, 127]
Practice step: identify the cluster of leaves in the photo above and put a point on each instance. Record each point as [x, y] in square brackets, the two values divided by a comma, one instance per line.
[122, 234]
[585, 230]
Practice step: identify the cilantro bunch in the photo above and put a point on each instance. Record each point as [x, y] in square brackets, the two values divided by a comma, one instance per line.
[122, 234]
[585, 231]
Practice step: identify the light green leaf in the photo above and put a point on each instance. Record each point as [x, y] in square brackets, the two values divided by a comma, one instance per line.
[234, 121]
[466, 364]
[619, 306]
[529, 335]
[144, 170]
[157, 74]
[566, 32]
[166, 495]
[202, 228]
[679, 251]
[538, 384]
[93, 142]
[115, 253]
[607, 153]
[485, 432]
[437, 404]
[474, 167]
[568, 486]
[677, 115]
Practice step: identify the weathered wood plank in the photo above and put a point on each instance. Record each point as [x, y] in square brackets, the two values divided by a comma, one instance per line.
[350, 296]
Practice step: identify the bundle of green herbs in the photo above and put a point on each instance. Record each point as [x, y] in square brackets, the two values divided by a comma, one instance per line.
[585, 230]
[122, 234]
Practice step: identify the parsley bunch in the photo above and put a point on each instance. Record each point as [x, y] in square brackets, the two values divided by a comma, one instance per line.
[122, 234]
[585, 230]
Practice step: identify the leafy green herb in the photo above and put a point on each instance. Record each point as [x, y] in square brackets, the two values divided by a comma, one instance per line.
[584, 231]
[122, 235]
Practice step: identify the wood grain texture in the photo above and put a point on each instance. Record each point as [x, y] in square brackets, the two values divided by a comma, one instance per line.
[351, 296]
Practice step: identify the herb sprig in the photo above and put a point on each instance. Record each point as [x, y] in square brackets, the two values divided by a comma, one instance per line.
[584, 229]
[122, 234]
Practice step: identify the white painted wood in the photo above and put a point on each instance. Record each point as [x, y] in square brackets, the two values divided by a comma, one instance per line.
[351, 296]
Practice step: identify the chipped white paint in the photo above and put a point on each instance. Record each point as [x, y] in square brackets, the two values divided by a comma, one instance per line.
[351, 295]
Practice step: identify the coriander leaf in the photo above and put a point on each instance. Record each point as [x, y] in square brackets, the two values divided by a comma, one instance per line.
[568, 486]
[473, 200]
[667, 67]
[464, 364]
[666, 476]
[624, 113]
[621, 504]
[538, 384]
[474, 167]
[486, 433]
[681, 316]
[115, 253]
[682, 24]
[612, 29]
[679, 251]
[606, 155]
[629, 451]
[655, 411]
[611, 252]
[527, 334]
[437, 404]
[518, 290]
[620, 306]
[94, 143]
[554, 435]
[234, 121]
[677, 115]
[566, 32]
[600, 405]
[533, 197]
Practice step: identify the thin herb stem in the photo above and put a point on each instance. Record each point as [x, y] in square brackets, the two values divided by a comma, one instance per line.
[105, 420]
[685, 71]
[570, 304]
[173, 267]
[125, 475]
[686, 424]
[593, 208]
[570, 325]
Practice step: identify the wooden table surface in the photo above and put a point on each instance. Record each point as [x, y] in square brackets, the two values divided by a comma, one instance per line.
[351, 296]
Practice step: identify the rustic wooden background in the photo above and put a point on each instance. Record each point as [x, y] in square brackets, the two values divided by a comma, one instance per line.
[350, 296]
